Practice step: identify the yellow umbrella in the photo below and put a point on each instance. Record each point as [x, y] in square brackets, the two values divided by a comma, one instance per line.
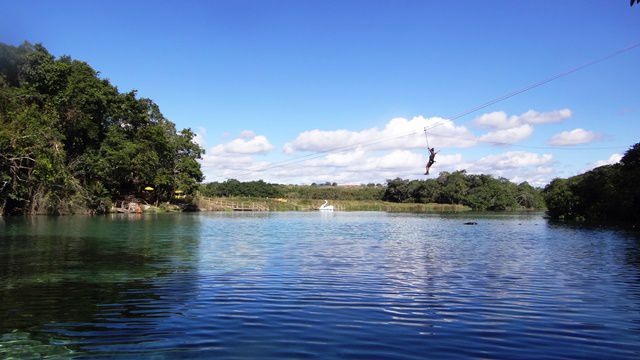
[178, 191]
[149, 188]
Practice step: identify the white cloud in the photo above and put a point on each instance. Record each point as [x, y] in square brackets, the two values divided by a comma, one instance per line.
[339, 159]
[544, 169]
[235, 158]
[508, 136]
[516, 166]
[574, 137]
[358, 166]
[513, 159]
[217, 167]
[497, 120]
[539, 176]
[255, 145]
[613, 159]
[398, 133]
[500, 119]
[534, 117]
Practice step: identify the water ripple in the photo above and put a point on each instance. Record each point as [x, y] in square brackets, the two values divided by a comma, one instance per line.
[304, 286]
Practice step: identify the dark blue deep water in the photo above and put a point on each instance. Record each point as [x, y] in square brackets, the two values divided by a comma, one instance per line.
[310, 285]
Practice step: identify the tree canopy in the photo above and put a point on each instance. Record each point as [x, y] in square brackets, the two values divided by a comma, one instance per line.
[480, 192]
[69, 138]
[607, 193]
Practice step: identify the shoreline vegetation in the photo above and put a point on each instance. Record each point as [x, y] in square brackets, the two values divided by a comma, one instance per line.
[456, 191]
[606, 194]
[70, 142]
[280, 204]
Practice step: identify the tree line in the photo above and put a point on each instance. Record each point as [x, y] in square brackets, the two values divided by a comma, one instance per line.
[480, 192]
[70, 140]
[607, 193]
[261, 189]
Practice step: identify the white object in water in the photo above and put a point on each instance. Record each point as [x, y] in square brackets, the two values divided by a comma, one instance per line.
[324, 207]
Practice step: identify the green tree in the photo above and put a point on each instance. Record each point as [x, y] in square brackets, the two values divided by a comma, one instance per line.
[70, 140]
[605, 194]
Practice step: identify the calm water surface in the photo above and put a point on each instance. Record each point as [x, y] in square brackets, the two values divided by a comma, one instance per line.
[311, 285]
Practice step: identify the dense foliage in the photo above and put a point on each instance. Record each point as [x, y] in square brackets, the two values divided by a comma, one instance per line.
[233, 187]
[69, 139]
[480, 192]
[604, 194]
[329, 191]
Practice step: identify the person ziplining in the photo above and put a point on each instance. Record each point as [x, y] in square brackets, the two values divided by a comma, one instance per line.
[432, 159]
[432, 153]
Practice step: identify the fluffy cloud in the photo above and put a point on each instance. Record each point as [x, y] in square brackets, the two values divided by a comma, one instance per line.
[358, 166]
[613, 159]
[244, 145]
[399, 133]
[514, 128]
[574, 137]
[234, 158]
[500, 119]
[513, 159]
[508, 136]
[360, 161]
[217, 167]
[534, 117]
[538, 176]
[516, 166]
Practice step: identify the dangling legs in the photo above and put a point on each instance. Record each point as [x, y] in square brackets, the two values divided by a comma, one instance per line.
[429, 164]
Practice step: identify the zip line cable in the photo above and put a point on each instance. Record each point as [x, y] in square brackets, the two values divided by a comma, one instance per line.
[288, 162]
[426, 136]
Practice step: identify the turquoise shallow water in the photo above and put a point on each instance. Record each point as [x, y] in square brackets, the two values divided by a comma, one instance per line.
[309, 285]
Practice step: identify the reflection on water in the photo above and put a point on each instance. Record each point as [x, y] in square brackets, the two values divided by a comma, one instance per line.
[309, 285]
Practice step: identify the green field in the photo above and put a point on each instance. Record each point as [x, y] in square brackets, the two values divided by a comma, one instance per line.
[267, 204]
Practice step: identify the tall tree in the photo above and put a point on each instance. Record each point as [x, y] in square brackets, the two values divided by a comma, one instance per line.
[69, 139]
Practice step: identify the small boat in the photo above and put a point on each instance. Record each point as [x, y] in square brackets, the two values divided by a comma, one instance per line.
[325, 207]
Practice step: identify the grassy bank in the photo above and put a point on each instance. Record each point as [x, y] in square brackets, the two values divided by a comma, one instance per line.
[266, 204]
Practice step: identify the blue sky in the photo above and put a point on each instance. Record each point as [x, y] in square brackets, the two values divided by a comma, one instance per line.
[256, 78]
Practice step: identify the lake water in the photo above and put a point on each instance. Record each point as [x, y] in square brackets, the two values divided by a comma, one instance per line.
[310, 285]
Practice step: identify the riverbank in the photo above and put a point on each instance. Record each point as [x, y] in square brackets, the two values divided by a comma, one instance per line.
[268, 204]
